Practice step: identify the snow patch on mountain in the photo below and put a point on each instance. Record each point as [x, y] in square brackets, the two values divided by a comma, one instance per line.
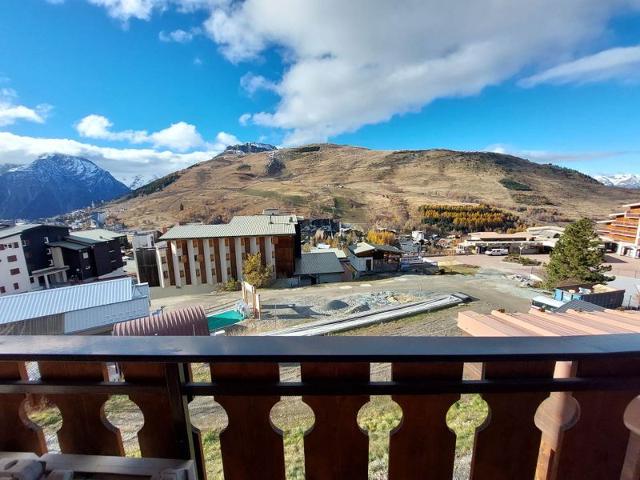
[625, 180]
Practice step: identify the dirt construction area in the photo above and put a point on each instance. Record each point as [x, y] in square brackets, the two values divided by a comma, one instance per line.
[281, 308]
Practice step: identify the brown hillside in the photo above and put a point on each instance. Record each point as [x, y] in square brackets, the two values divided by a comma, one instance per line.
[366, 186]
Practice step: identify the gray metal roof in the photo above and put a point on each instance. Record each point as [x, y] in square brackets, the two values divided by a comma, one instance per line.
[17, 229]
[363, 247]
[338, 251]
[317, 263]
[579, 306]
[23, 306]
[98, 234]
[239, 226]
[68, 245]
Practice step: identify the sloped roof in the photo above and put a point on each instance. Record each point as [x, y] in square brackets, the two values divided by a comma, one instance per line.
[239, 226]
[363, 247]
[68, 245]
[97, 234]
[23, 306]
[186, 322]
[315, 263]
[338, 251]
[17, 229]
[536, 323]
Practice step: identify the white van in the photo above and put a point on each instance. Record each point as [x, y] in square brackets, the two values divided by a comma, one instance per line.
[497, 252]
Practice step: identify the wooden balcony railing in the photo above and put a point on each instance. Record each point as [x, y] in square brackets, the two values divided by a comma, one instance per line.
[535, 428]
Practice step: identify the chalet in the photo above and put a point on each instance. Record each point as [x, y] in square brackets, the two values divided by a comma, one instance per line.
[212, 254]
[622, 231]
[319, 267]
[371, 258]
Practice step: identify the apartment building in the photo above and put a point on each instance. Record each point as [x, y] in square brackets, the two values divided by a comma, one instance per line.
[212, 254]
[622, 231]
[37, 256]
[14, 275]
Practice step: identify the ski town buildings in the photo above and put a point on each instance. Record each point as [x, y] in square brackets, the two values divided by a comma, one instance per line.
[621, 232]
[213, 254]
[36, 256]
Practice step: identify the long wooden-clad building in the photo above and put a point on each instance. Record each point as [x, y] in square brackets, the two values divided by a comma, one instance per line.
[212, 254]
[623, 230]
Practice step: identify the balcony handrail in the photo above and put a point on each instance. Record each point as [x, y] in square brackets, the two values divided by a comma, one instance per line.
[314, 349]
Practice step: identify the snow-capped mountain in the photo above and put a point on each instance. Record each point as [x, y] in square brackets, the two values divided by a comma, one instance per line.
[55, 184]
[625, 180]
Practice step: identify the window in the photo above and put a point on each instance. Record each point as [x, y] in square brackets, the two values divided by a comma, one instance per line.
[85, 255]
[32, 280]
[3, 290]
[14, 271]
[16, 286]
[15, 245]
[12, 258]
[46, 239]
[1, 246]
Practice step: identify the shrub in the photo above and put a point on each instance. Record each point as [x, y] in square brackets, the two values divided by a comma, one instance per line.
[526, 261]
[231, 285]
[513, 185]
[255, 273]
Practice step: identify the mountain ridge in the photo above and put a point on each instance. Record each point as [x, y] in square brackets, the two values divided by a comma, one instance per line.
[625, 180]
[54, 184]
[368, 186]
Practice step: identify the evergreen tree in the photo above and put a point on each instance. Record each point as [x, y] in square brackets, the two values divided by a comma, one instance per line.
[577, 256]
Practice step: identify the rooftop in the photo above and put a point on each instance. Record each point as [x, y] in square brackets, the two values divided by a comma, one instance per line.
[338, 251]
[17, 229]
[315, 263]
[239, 226]
[68, 245]
[23, 306]
[97, 234]
[363, 247]
[537, 323]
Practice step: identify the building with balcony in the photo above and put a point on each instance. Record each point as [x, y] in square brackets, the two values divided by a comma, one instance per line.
[213, 254]
[622, 231]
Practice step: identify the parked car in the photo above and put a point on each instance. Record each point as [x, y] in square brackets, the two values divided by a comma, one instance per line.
[497, 252]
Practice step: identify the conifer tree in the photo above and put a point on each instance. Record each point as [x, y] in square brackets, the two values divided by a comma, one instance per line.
[577, 256]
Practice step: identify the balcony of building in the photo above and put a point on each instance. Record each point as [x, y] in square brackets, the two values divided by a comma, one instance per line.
[585, 425]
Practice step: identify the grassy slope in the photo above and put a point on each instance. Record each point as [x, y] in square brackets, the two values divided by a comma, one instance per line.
[363, 185]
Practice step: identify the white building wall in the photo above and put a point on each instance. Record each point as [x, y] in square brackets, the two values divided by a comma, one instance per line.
[7, 280]
[360, 264]
[104, 315]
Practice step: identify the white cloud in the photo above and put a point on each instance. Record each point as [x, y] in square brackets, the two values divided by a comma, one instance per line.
[244, 119]
[360, 62]
[179, 35]
[124, 10]
[615, 63]
[180, 136]
[123, 163]
[252, 83]
[547, 156]
[11, 112]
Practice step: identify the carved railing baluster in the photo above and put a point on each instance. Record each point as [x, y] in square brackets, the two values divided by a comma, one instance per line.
[251, 448]
[423, 446]
[85, 430]
[595, 446]
[167, 431]
[17, 432]
[507, 446]
[336, 447]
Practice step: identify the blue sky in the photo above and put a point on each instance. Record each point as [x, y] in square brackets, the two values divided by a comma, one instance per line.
[149, 86]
